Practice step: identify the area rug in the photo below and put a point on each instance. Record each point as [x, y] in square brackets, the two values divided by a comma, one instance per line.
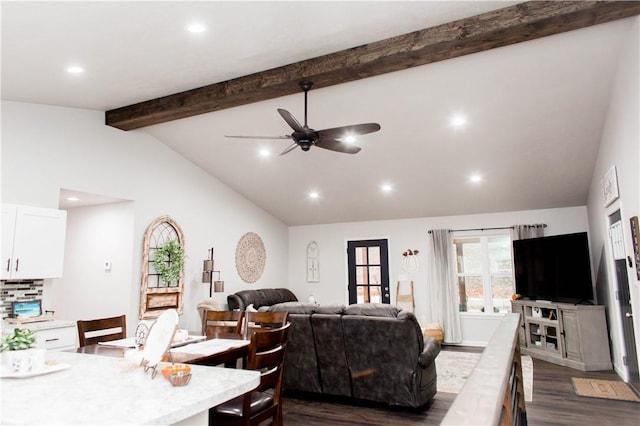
[607, 389]
[454, 368]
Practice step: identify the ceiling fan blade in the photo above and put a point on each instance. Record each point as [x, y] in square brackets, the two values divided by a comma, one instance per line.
[334, 145]
[344, 131]
[291, 120]
[291, 148]
[258, 137]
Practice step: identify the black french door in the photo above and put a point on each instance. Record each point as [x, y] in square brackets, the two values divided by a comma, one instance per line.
[623, 294]
[368, 267]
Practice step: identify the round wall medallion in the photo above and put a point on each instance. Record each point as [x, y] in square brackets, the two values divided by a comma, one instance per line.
[250, 257]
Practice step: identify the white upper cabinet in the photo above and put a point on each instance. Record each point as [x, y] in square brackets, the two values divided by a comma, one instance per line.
[32, 242]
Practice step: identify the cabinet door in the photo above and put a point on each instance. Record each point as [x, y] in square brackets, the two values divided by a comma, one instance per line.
[57, 338]
[38, 249]
[534, 335]
[571, 334]
[8, 229]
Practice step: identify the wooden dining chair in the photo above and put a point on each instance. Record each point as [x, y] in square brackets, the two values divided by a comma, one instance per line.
[266, 354]
[258, 321]
[222, 324]
[90, 332]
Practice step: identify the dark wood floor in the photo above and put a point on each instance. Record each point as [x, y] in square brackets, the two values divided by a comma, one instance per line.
[554, 403]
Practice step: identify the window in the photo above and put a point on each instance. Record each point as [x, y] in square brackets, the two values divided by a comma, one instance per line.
[485, 273]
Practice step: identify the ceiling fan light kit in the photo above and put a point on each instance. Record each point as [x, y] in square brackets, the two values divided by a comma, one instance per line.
[305, 137]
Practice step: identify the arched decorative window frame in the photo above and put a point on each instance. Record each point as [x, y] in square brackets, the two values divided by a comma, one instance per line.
[156, 299]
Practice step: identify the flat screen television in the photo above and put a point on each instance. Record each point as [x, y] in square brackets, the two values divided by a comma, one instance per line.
[555, 268]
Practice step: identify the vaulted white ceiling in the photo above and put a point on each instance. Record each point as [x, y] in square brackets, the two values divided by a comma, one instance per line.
[535, 110]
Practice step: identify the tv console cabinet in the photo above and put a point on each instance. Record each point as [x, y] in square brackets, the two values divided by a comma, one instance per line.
[566, 334]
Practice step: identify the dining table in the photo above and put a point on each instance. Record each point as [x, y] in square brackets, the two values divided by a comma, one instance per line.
[211, 352]
[110, 389]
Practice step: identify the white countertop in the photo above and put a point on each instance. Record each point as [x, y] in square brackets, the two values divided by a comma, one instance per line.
[101, 390]
[39, 325]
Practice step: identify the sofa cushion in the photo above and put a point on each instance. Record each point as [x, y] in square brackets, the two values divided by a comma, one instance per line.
[332, 359]
[291, 307]
[303, 308]
[382, 354]
[372, 310]
[330, 309]
[301, 371]
[260, 297]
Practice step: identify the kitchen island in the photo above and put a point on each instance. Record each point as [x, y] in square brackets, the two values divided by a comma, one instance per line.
[102, 390]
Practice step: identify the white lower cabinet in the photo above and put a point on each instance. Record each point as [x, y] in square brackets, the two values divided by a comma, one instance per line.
[52, 335]
[57, 338]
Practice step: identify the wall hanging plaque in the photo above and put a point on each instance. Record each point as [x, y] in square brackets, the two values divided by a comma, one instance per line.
[313, 262]
[162, 280]
[610, 187]
[635, 241]
[410, 260]
[250, 257]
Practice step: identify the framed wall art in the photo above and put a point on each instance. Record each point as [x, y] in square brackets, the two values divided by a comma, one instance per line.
[313, 262]
[162, 278]
[250, 257]
[610, 187]
[635, 241]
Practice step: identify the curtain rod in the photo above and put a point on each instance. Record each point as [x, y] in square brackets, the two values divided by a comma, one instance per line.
[544, 225]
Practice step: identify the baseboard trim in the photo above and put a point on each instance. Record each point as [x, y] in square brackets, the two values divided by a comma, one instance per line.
[468, 343]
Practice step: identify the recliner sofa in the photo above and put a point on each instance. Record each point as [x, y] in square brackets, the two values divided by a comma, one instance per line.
[369, 352]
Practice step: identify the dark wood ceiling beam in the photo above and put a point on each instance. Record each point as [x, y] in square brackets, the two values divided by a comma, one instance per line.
[503, 27]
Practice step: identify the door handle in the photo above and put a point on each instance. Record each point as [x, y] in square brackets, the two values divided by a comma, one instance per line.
[17, 264]
[628, 315]
[8, 264]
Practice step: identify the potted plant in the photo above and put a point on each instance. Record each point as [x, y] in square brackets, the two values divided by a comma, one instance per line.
[21, 338]
[20, 357]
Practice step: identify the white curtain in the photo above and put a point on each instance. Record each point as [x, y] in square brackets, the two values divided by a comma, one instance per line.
[522, 232]
[442, 285]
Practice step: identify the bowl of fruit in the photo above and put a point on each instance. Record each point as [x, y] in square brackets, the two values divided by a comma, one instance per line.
[172, 369]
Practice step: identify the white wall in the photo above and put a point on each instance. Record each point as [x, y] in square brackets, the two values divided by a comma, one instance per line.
[95, 235]
[402, 235]
[45, 148]
[620, 147]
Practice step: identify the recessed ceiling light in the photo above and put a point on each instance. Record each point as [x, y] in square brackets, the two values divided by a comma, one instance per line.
[386, 187]
[75, 69]
[73, 199]
[458, 121]
[475, 178]
[264, 152]
[196, 28]
[350, 139]
[314, 195]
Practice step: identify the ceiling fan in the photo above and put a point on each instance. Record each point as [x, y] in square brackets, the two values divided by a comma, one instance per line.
[305, 137]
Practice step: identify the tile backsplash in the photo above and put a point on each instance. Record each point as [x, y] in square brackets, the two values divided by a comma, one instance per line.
[11, 291]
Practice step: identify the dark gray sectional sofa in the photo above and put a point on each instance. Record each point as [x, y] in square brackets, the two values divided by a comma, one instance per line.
[369, 352]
